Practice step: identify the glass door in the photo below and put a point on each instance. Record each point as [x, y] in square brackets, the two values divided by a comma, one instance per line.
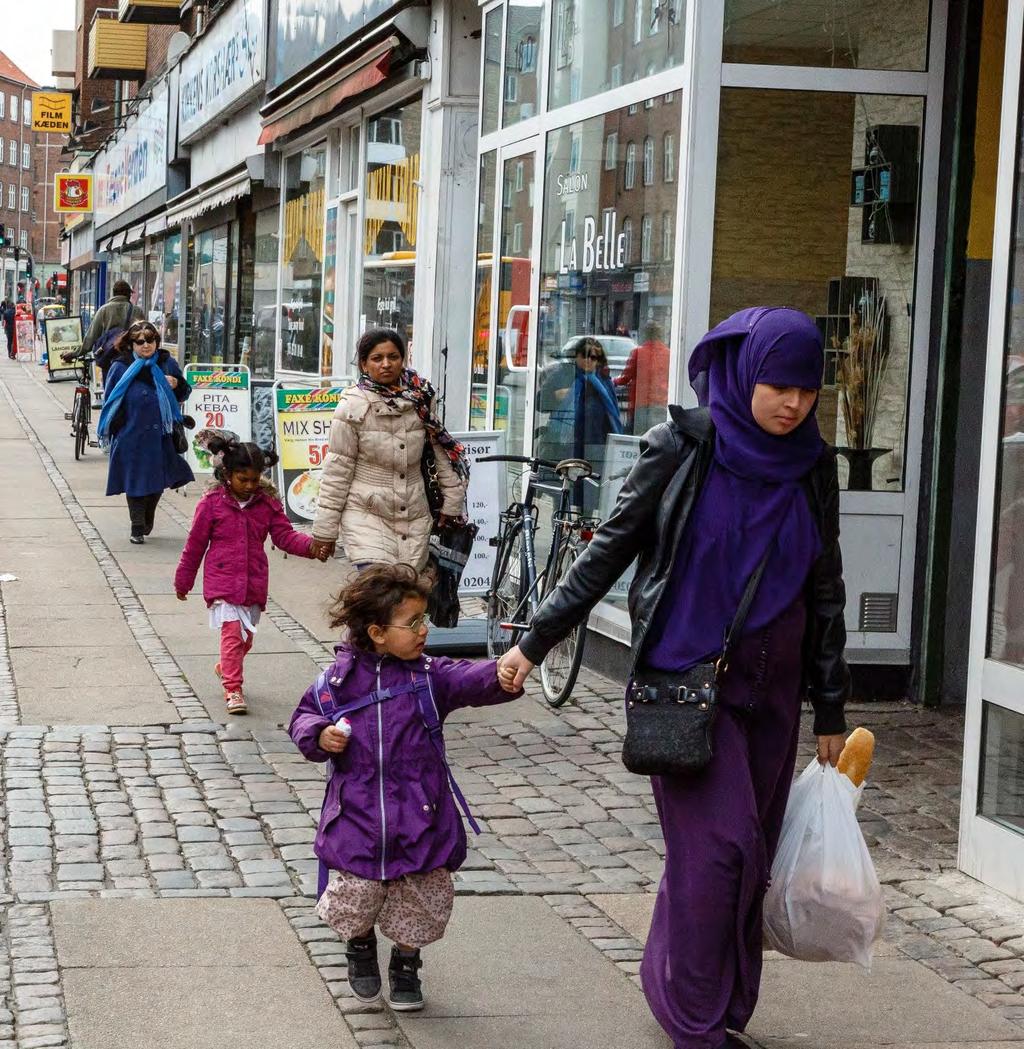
[992, 807]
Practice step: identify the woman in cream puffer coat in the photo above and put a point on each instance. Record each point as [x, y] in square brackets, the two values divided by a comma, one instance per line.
[371, 489]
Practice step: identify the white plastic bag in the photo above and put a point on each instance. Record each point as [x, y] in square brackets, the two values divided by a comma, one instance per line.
[824, 903]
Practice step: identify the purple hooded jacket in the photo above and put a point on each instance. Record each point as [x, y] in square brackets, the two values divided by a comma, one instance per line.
[388, 810]
[231, 539]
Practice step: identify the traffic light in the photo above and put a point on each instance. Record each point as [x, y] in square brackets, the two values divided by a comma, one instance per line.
[3, 236]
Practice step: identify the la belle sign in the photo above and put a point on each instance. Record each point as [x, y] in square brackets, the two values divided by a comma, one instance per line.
[602, 252]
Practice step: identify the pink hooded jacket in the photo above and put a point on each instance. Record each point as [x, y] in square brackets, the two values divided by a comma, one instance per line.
[231, 539]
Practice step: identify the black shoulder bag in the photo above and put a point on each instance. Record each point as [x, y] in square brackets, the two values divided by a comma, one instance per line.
[669, 716]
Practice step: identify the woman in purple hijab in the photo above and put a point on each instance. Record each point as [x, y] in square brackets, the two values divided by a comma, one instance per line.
[744, 478]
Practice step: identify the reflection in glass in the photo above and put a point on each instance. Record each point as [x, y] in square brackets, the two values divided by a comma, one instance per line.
[1006, 622]
[264, 295]
[522, 43]
[392, 215]
[606, 299]
[853, 34]
[600, 44]
[1001, 777]
[492, 72]
[481, 367]
[302, 260]
[832, 232]
[210, 328]
[164, 305]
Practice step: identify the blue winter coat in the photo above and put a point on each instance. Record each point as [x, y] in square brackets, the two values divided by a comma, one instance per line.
[142, 457]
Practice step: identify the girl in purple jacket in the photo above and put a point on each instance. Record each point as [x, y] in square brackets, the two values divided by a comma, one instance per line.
[389, 828]
[229, 530]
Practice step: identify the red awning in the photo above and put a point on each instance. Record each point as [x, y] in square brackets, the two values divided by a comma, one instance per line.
[358, 81]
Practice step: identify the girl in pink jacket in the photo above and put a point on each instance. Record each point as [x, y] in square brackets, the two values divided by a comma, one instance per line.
[230, 527]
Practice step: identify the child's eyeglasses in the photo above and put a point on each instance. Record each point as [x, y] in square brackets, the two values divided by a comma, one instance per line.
[418, 624]
[142, 340]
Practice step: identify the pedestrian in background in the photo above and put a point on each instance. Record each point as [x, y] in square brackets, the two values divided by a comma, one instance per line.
[372, 489]
[716, 491]
[7, 317]
[646, 378]
[110, 321]
[142, 401]
[229, 530]
[389, 827]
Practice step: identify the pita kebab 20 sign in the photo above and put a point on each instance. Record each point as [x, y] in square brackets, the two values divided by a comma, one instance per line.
[72, 193]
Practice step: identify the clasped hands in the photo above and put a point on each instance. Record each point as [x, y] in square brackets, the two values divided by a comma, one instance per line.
[322, 549]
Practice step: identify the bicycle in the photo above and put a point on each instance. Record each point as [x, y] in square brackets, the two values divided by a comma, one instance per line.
[80, 415]
[517, 588]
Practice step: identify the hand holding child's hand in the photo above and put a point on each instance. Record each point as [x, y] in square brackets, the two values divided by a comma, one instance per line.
[182, 597]
[507, 678]
[333, 740]
[321, 549]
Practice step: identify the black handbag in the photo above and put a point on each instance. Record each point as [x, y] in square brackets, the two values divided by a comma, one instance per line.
[178, 436]
[669, 717]
[450, 549]
[428, 468]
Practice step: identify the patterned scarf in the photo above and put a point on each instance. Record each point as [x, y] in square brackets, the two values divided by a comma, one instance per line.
[420, 394]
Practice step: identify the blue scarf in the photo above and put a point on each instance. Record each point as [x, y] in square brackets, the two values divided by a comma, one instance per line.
[170, 411]
[605, 397]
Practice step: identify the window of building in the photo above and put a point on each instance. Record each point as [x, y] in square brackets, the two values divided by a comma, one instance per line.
[635, 107]
[649, 102]
[23, 238]
[648, 161]
[26, 156]
[491, 87]
[12, 153]
[12, 196]
[627, 241]
[669, 150]
[481, 362]
[24, 198]
[850, 36]
[1, 145]
[592, 54]
[517, 238]
[386, 131]
[522, 29]
[26, 114]
[165, 289]
[3, 99]
[667, 238]
[630, 165]
[574, 152]
[646, 238]
[391, 227]
[14, 108]
[1, 194]
[519, 176]
[854, 254]
[611, 151]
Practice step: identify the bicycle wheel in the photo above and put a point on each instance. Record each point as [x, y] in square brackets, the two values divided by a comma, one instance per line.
[505, 594]
[561, 665]
[81, 424]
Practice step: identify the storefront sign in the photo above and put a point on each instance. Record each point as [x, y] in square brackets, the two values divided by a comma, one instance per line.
[486, 500]
[601, 251]
[307, 29]
[25, 338]
[63, 335]
[220, 401]
[135, 166]
[621, 454]
[222, 68]
[51, 112]
[302, 423]
[72, 193]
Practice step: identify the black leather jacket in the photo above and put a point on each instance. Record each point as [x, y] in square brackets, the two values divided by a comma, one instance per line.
[648, 522]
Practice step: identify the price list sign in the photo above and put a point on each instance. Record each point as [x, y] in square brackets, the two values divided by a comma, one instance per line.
[220, 400]
[302, 420]
[486, 500]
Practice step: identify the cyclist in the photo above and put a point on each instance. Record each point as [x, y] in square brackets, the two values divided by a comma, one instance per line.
[110, 321]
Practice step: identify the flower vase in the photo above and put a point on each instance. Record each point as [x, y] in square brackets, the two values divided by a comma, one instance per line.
[861, 461]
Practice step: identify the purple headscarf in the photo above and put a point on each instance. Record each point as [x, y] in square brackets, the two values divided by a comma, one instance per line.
[752, 500]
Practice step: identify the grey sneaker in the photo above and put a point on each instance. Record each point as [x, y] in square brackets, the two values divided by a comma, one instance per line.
[363, 969]
[405, 994]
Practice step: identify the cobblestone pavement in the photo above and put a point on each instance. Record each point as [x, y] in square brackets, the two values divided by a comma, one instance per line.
[195, 808]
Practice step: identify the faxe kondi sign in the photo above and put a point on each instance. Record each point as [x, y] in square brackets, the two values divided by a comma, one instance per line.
[51, 111]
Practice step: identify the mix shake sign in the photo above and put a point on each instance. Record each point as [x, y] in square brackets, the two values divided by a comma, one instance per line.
[604, 246]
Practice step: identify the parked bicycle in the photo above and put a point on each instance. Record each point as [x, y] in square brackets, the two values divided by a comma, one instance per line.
[518, 588]
[80, 415]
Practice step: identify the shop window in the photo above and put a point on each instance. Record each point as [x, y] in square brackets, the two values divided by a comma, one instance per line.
[211, 330]
[1001, 776]
[855, 34]
[165, 295]
[265, 309]
[302, 254]
[838, 239]
[523, 27]
[390, 235]
[648, 161]
[129, 265]
[603, 364]
[669, 150]
[611, 151]
[1006, 598]
[26, 156]
[667, 238]
[481, 367]
[630, 165]
[591, 53]
[491, 103]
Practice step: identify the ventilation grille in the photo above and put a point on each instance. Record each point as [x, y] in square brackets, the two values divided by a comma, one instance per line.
[878, 613]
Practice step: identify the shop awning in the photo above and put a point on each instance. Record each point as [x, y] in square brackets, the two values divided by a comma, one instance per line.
[135, 234]
[364, 73]
[117, 241]
[157, 224]
[217, 195]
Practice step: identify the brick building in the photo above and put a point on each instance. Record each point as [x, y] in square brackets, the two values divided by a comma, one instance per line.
[28, 161]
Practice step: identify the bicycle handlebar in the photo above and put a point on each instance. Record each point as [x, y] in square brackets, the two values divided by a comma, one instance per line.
[532, 460]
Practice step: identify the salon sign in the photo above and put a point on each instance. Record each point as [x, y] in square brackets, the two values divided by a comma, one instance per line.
[223, 68]
[602, 249]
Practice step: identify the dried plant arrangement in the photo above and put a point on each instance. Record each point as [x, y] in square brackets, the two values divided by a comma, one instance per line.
[861, 369]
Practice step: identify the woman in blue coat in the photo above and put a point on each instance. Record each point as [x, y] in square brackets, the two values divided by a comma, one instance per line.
[144, 392]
